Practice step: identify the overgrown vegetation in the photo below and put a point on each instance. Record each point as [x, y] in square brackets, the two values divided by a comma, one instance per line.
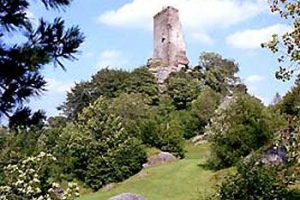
[30, 179]
[100, 149]
[111, 120]
[240, 125]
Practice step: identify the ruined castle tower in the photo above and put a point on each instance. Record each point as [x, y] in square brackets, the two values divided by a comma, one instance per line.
[169, 46]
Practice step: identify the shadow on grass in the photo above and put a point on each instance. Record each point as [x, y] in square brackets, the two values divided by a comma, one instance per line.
[206, 166]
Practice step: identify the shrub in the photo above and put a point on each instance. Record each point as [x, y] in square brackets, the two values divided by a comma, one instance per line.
[133, 109]
[170, 138]
[268, 172]
[202, 111]
[101, 150]
[146, 123]
[240, 125]
[255, 182]
[31, 179]
[188, 122]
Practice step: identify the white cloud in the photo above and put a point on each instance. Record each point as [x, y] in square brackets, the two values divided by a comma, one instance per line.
[112, 59]
[197, 16]
[88, 55]
[253, 38]
[254, 79]
[202, 38]
[252, 83]
[57, 86]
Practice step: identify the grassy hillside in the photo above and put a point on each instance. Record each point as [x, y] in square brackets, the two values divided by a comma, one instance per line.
[181, 180]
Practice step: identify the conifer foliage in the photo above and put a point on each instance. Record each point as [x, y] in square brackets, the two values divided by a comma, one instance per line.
[21, 63]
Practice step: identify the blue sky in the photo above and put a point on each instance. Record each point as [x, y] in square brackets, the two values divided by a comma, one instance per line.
[119, 34]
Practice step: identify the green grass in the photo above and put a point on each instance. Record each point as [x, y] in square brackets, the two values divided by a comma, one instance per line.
[181, 180]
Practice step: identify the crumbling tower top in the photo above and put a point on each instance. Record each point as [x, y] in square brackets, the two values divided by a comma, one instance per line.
[169, 45]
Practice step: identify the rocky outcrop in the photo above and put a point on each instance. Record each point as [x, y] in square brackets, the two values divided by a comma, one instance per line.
[161, 158]
[127, 196]
[200, 139]
[109, 187]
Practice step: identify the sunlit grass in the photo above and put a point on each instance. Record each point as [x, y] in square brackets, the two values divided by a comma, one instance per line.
[181, 180]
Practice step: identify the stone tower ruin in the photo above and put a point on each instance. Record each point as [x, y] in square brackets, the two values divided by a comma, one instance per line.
[169, 47]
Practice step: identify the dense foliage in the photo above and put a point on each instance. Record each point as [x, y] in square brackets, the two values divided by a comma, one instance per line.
[217, 72]
[146, 122]
[110, 119]
[251, 183]
[183, 89]
[290, 103]
[239, 126]
[31, 179]
[21, 63]
[202, 111]
[100, 149]
[109, 83]
[267, 173]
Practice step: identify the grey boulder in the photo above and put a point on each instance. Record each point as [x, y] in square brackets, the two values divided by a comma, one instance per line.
[127, 196]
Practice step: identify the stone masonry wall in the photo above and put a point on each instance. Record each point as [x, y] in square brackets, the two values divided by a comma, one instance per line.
[169, 46]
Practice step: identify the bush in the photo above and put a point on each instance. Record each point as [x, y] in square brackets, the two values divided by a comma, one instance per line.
[31, 179]
[146, 123]
[162, 129]
[240, 126]
[202, 111]
[188, 122]
[101, 151]
[267, 173]
[255, 182]
[164, 134]
[17, 146]
[133, 109]
[170, 138]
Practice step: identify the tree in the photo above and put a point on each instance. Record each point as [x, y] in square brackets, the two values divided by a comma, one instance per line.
[109, 83]
[217, 72]
[133, 109]
[240, 125]
[100, 148]
[203, 108]
[183, 89]
[287, 46]
[78, 98]
[290, 104]
[21, 63]
[141, 80]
